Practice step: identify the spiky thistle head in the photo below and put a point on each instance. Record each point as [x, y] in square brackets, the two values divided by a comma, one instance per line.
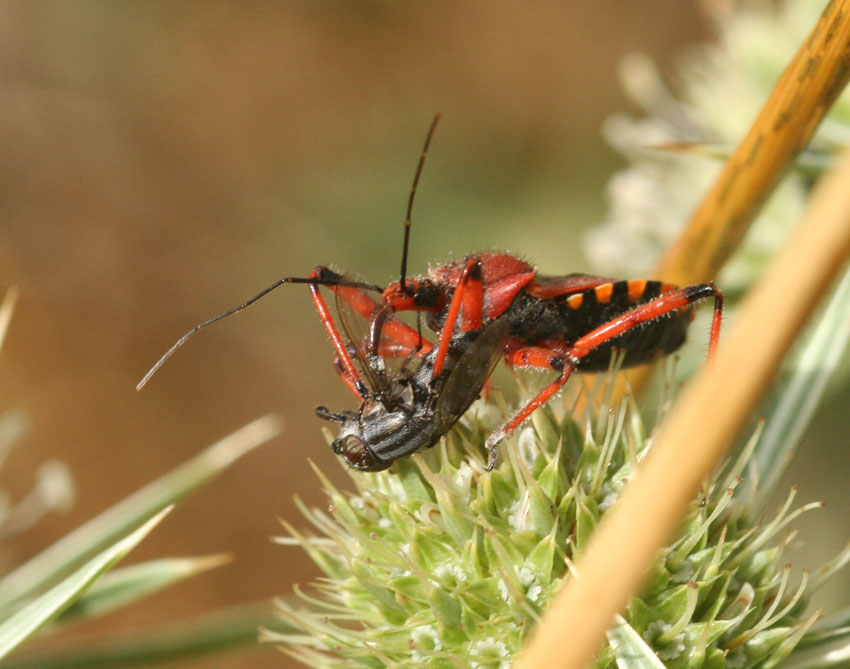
[437, 562]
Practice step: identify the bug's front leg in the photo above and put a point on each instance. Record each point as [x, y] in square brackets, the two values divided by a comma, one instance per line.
[467, 305]
[383, 323]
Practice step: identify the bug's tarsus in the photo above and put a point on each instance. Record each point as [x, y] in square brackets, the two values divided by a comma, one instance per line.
[407, 222]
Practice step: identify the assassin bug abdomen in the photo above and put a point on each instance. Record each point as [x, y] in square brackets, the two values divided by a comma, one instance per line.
[568, 317]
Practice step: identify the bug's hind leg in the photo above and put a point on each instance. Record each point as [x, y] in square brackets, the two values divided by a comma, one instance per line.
[555, 358]
[565, 359]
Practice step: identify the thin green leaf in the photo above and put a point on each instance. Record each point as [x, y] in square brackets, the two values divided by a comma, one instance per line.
[155, 645]
[834, 652]
[800, 396]
[115, 522]
[828, 625]
[32, 617]
[630, 650]
[129, 584]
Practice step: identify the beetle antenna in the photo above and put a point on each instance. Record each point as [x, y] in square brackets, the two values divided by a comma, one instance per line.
[407, 222]
[247, 303]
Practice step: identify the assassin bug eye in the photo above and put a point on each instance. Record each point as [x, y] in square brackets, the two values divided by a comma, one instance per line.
[429, 295]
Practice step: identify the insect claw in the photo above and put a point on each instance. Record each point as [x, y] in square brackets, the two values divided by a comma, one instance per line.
[491, 443]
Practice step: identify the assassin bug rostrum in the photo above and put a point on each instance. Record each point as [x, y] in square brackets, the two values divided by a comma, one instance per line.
[557, 323]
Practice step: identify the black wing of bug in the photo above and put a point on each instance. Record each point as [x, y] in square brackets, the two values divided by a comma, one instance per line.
[385, 373]
[465, 379]
[350, 302]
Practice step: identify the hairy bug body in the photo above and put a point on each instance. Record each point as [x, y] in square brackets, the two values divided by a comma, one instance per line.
[556, 323]
[487, 306]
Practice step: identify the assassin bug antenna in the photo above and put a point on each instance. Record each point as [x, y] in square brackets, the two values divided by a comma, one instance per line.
[407, 222]
[247, 303]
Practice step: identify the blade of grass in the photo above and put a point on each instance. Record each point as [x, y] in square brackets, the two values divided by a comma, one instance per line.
[32, 617]
[156, 645]
[101, 531]
[800, 396]
[702, 424]
[123, 586]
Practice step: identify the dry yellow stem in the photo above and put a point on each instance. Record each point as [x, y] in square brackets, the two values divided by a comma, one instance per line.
[707, 417]
[799, 101]
[796, 106]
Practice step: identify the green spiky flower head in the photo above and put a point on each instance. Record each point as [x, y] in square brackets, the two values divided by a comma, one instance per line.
[437, 562]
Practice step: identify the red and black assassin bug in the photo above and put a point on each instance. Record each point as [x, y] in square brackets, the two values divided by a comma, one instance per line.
[558, 323]
[552, 323]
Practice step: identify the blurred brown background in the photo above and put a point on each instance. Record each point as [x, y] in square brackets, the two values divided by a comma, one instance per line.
[162, 161]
